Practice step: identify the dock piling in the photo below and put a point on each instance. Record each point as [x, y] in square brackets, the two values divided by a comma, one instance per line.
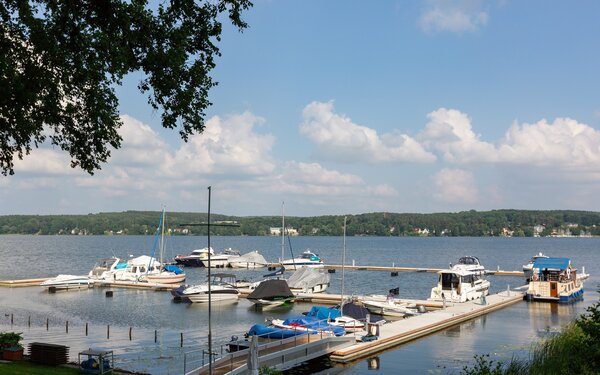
[67, 327]
[86, 329]
[29, 321]
[108, 331]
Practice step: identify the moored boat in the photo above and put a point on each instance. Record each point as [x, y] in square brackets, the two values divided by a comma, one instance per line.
[194, 259]
[555, 280]
[271, 292]
[528, 268]
[68, 282]
[307, 259]
[308, 280]
[463, 282]
[221, 289]
[391, 307]
[249, 260]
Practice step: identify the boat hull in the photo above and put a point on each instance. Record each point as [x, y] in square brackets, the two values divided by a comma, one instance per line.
[215, 297]
[537, 293]
[163, 279]
[189, 262]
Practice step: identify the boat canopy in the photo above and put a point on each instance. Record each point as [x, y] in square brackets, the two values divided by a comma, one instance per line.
[252, 257]
[271, 288]
[306, 278]
[552, 263]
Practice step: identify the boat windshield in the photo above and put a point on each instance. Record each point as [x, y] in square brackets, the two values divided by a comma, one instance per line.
[469, 261]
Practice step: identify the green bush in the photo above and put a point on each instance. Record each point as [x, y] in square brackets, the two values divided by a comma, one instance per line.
[10, 340]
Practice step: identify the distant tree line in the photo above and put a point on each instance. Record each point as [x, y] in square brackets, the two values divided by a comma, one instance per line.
[467, 223]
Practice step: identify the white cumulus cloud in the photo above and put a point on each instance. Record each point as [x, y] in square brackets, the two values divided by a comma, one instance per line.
[454, 186]
[449, 132]
[453, 16]
[338, 138]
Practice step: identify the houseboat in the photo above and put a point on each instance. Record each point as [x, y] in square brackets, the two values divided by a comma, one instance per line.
[554, 279]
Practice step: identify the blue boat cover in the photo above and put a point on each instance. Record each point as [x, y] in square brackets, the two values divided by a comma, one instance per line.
[271, 332]
[121, 266]
[552, 263]
[174, 269]
[321, 312]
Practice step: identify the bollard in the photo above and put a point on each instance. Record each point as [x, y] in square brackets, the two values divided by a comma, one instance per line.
[109, 293]
[129, 333]
[108, 331]
[86, 329]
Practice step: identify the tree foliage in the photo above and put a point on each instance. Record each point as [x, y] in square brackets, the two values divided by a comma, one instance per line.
[471, 223]
[60, 62]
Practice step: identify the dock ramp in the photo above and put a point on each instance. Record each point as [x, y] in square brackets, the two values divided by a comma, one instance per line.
[280, 354]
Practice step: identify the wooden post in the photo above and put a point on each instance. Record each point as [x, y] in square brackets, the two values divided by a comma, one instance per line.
[29, 321]
[11, 319]
[47, 323]
[181, 342]
[129, 333]
[108, 331]
[67, 327]
[155, 336]
[86, 329]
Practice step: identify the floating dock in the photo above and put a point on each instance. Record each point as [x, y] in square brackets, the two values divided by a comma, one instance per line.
[405, 330]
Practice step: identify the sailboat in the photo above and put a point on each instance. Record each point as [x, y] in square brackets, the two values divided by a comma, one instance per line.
[167, 274]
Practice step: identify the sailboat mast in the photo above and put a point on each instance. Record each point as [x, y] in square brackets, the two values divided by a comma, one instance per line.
[343, 264]
[282, 231]
[209, 293]
[162, 237]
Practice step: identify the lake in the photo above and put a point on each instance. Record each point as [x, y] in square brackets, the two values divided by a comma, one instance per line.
[502, 333]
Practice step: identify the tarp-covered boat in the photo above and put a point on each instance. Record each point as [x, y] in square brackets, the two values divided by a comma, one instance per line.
[308, 280]
[271, 292]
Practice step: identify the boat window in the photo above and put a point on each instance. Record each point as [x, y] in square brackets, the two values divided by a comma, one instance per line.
[142, 269]
[468, 279]
[449, 281]
[133, 269]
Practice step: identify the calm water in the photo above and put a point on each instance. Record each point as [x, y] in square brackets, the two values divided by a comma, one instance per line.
[503, 333]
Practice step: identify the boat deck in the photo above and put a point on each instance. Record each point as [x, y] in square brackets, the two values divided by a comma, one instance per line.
[402, 331]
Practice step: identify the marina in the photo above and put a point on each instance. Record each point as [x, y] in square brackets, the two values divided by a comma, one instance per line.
[414, 288]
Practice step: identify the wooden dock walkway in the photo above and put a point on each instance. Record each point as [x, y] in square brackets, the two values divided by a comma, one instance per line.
[402, 331]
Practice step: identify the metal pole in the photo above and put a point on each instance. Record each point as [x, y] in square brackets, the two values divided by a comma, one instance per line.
[209, 294]
[343, 263]
[282, 231]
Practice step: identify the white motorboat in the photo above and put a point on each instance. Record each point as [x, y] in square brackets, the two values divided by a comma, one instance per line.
[307, 259]
[137, 269]
[221, 289]
[348, 323]
[220, 260]
[104, 269]
[68, 282]
[249, 261]
[463, 282]
[528, 268]
[391, 307]
[195, 258]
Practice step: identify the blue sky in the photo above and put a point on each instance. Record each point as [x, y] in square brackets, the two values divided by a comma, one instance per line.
[342, 107]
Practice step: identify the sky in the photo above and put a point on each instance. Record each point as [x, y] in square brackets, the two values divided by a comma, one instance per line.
[347, 107]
